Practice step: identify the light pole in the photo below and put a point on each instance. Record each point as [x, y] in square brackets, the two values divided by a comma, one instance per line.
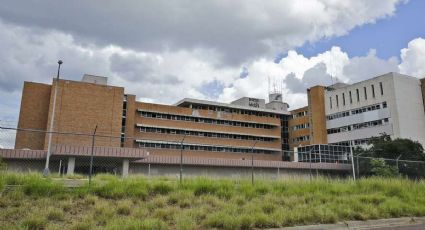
[181, 158]
[252, 162]
[49, 146]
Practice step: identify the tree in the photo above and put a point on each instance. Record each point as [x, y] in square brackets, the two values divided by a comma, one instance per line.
[384, 147]
[380, 168]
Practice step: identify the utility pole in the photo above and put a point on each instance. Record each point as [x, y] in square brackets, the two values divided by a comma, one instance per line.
[396, 162]
[352, 160]
[309, 157]
[252, 162]
[92, 152]
[181, 158]
[49, 146]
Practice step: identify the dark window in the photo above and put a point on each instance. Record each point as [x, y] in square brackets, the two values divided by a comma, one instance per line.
[330, 102]
[382, 89]
[343, 99]
[358, 95]
[373, 91]
[337, 102]
[365, 93]
[351, 98]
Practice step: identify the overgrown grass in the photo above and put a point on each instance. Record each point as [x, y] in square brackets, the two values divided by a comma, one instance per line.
[202, 203]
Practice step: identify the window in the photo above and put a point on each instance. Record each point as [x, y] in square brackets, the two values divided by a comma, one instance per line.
[330, 102]
[382, 89]
[365, 93]
[373, 91]
[351, 98]
[337, 102]
[358, 95]
[343, 99]
[384, 104]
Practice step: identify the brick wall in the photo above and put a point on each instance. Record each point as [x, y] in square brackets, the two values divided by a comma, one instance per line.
[33, 115]
[80, 107]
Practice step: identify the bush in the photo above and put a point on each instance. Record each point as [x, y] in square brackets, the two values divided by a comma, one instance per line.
[162, 188]
[55, 214]
[380, 168]
[34, 222]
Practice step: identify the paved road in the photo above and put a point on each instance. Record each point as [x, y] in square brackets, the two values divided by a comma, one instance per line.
[408, 227]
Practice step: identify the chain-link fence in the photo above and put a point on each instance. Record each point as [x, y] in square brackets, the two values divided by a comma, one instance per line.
[362, 165]
[26, 150]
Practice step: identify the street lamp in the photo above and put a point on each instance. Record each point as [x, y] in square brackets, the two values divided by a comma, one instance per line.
[49, 146]
[252, 162]
[181, 157]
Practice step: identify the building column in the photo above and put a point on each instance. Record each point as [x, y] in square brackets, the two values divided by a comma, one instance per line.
[125, 166]
[71, 166]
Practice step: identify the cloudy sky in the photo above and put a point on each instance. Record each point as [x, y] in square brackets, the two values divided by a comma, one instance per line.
[163, 51]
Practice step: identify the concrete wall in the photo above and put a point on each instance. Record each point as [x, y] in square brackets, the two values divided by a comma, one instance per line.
[225, 172]
[410, 108]
[405, 108]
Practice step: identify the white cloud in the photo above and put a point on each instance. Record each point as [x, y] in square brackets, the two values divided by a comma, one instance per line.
[237, 30]
[412, 58]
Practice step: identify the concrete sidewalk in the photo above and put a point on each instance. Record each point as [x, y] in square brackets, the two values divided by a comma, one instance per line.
[394, 223]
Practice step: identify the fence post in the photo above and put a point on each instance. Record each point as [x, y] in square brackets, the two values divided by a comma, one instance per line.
[91, 157]
[252, 162]
[352, 160]
[181, 158]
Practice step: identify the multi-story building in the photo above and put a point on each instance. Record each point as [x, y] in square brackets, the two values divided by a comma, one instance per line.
[390, 104]
[202, 128]
[338, 114]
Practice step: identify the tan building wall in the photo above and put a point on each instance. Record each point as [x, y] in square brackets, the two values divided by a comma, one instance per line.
[130, 121]
[33, 115]
[274, 145]
[301, 132]
[316, 105]
[80, 107]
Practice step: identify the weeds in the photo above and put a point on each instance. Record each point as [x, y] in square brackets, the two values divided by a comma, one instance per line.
[202, 203]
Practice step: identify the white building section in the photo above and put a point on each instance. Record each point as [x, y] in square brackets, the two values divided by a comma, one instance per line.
[390, 104]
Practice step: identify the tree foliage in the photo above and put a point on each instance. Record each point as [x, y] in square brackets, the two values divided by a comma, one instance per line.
[385, 148]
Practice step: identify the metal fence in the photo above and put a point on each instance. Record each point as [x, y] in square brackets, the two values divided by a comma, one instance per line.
[29, 152]
[362, 165]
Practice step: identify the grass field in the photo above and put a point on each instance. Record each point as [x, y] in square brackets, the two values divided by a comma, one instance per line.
[200, 203]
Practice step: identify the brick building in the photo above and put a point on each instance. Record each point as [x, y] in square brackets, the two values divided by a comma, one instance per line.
[204, 128]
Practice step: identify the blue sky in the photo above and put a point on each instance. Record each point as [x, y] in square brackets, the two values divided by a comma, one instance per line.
[387, 36]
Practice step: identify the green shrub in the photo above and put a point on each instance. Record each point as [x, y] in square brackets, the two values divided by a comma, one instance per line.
[34, 222]
[55, 214]
[162, 188]
[39, 186]
[222, 220]
[124, 208]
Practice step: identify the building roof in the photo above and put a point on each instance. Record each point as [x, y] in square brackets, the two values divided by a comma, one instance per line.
[140, 156]
[185, 101]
